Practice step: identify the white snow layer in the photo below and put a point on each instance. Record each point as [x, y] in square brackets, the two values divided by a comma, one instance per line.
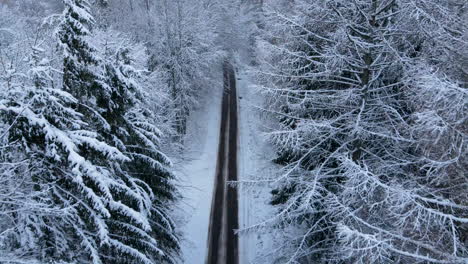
[198, 174]
[254, 166]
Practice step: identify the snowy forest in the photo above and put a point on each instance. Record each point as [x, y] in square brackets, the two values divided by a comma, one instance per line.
[233, 131]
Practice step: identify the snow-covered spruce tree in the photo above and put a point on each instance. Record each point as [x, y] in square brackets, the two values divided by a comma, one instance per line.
[134, 132]
[45, 134]
[361, 181]
[75, 190]
[112, 208]
[22, 197]
[26, 206]
[69, 197]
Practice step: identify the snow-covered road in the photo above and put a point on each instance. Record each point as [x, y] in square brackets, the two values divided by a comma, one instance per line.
[198, 174]
[223, 242]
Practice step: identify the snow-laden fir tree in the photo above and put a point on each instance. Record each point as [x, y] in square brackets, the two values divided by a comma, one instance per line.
[374, 154]
[134, 132]
[83, 178]
[74, 167]
[47, 136]
[109, 194]
[26, 208]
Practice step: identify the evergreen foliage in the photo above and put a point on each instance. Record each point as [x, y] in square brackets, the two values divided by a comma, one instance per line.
[356, 100]
[95, 186]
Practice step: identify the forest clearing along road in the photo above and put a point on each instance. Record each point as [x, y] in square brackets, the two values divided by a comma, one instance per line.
[223, 243]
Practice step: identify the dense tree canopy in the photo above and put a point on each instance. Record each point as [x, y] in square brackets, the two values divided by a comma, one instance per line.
[374, 154]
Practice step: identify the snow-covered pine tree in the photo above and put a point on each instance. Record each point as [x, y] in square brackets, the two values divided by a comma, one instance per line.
[128, 202]
[134, 132]
[24, 201]
[48, 135]
[74, 190]
[359, 178]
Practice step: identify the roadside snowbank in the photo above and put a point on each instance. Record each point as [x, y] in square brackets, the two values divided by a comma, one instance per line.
[197, 174]
[254, 165]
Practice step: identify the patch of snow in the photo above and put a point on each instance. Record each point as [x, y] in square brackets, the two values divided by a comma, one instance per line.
[254, 165]
[198, 173]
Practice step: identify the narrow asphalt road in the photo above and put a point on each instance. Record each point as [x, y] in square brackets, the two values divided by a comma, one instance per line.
[223, 243]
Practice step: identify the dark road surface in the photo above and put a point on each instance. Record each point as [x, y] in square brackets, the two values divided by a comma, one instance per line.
[223, 244]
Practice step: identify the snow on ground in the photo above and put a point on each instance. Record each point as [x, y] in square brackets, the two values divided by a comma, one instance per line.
[254, 164]
[198, 172]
